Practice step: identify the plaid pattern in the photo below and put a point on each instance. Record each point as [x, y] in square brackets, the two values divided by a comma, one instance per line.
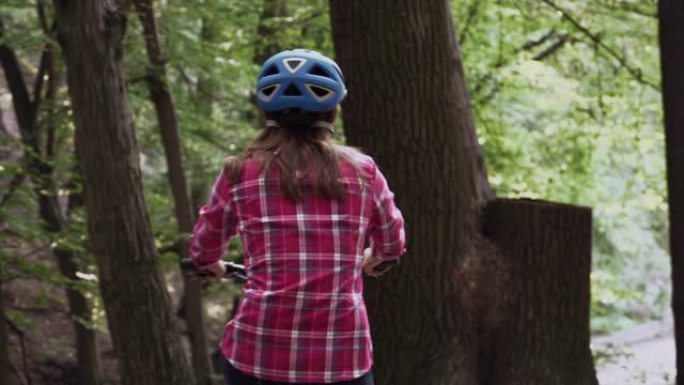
[302, 318]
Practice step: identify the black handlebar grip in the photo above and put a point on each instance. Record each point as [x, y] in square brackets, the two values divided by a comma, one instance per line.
[233, 270]
[189, 267]
[384, 265]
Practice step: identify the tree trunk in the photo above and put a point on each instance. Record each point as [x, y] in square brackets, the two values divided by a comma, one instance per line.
[168, 125]
[86, 338]
[206, 87]
[543, 333]
[4, 351]
[50, 212]
[267, 43]
[439, 318]
[408, 107]
[134, 293]
[671, 16]
[203, 100]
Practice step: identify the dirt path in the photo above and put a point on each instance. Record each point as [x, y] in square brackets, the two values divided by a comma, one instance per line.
[643, 355]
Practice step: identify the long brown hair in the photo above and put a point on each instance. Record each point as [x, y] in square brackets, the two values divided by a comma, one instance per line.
[300, 149]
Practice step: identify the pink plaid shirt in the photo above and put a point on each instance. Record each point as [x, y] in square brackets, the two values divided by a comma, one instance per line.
[302, 318]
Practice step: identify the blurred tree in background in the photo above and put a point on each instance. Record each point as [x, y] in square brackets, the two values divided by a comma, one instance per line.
[565, 95]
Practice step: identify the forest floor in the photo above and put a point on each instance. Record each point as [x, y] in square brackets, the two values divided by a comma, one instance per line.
[641, 355]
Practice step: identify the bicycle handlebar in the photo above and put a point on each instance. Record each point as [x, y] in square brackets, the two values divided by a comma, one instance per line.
[385, 265]
[237, 271]
[233, 270]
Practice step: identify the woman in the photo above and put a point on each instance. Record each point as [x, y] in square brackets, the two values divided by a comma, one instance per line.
[304, 209]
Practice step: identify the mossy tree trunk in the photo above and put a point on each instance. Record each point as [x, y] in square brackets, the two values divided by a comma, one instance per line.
[138, 307]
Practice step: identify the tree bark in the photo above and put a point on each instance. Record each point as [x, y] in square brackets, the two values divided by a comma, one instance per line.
[54, 221]
[4, 351]
[206, 87]
[168, 125]
[671, 22]
[21, 97]
[543, 336]
[408, 107]
[138, 306]
[267, 43]
[440, 318]
[87, 352]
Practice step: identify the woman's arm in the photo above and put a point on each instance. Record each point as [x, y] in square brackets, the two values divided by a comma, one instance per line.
[386, 229]
[217, 222]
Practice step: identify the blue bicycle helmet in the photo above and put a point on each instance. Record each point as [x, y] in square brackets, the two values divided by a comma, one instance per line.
[300, 78]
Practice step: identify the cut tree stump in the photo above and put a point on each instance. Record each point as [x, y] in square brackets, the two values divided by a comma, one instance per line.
[543, 335]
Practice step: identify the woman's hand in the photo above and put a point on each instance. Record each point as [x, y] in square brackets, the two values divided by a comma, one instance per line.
[370, 262]
[218, 269]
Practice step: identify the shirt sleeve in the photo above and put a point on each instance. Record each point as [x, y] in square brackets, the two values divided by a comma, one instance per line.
[386, 228]
[217, 222]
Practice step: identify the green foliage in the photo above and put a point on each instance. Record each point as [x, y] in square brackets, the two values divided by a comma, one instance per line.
[566, 108]
[610, 301]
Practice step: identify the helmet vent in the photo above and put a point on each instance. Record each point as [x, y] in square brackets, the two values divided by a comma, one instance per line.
[292, 90]
[294, 64]
[321, 93]
[319, 71]
[272, 70]
[268, 92]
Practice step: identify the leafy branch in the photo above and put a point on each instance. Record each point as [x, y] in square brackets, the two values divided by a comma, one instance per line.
[633, 8]
[636, 73]
[473, 11]
[16, 182]
[559, 41]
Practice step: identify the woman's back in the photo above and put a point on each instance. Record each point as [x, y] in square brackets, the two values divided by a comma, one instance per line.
[302, 318]
[312, 245]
